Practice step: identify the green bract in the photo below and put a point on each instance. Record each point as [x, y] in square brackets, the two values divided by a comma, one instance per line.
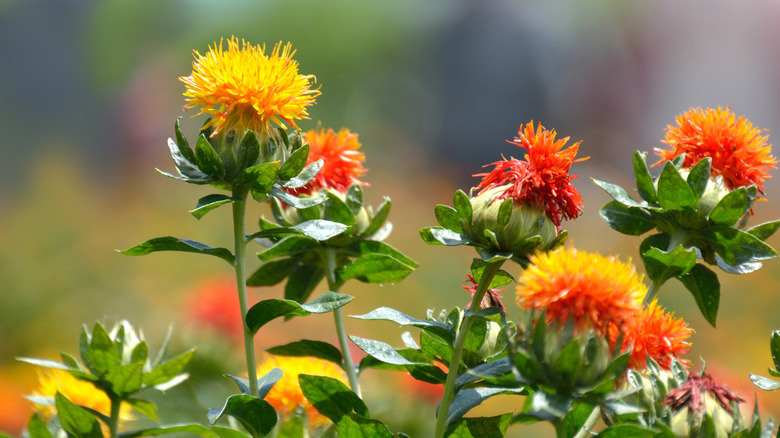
[696, 218]
[497, 229]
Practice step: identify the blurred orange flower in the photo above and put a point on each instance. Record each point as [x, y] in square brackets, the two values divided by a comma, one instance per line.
[738, 150]
[215, 306]
[654, 333]
[342, 162]
[77, 391]
[543, 179]
[244, 85]
[286, 395]
[592, 290]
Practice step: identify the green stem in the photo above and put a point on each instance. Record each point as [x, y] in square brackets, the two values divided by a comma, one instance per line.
[113, 425]
[460, 342]
[239, 211]
[560, 427]
[586, 428]
[679, 237]
[338, 315]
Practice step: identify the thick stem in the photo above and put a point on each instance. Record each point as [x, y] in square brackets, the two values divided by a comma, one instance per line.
[460, 341]
[678, 238]
[560, 427]
[113, 425]
[239, 211]
[338, 315]
[586, 428]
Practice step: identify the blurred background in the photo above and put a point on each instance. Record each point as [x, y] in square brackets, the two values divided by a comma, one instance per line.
[89, 93]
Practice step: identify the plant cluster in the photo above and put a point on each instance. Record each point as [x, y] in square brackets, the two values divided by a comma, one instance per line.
[593, 353]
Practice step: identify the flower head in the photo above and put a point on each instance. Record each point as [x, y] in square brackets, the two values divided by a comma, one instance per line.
[697, 391]
[738, 150]
[216, 307]
[77, 391]
[543, 179]
[245, 87]
[286, 395]
[491, 298]
[342, 162]
[592, 290]
[654, 333]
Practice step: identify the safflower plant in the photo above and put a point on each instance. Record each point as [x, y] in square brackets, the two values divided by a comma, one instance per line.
[593, 353]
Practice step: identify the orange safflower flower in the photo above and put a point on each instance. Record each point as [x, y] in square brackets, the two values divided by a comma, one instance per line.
[592, 290]
[654, 333]
[342, 162]
[543, 179]
[215, 307]
[286, 395]
[77, 391]
[738, 150]
[242, 85]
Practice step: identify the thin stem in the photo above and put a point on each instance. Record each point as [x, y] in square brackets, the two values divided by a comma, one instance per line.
[239, 211]
[349, 365]
[113, 425]
[560, 427]
[449, 385]
[677, 238]
[586, 428]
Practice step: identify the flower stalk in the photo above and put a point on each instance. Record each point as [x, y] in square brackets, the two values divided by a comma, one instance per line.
[113, 421]
[491, 269]
[239, 213]
[587, 427]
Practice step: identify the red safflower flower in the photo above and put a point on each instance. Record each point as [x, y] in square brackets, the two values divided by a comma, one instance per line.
[215, 307]
[693, 392]
[654, 333]
[738, 150]
[491, 298]
[342, 162]
[543, 179]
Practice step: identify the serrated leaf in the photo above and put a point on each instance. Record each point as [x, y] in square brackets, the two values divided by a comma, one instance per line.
[331, 397]
[466, 399]
[294, 164]
[273, 272]
[699, 177]
[382, 351]
[448, 218]
[480, 427]
[663, 265]
[375, 268]
[617, 193]
[320, 229]
[305, 347]
[208, 203]
[76, 421]
[705, 288]
[169, 243]
[462, 205]
[632, 221]
[731, 208]
[168, 370]
[644, 181]
[257, 416]
[352, 425]
[388, 314]
[674, 193]
[207, 159]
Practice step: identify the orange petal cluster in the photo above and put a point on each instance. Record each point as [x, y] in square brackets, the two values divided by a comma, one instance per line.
[80, 392]
[738, 150]
[286, 395]
[543, 179]
[592, 290]
[342, 161]
[244, 84]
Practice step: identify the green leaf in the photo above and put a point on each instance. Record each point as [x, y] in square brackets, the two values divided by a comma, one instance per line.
[628, 431]
[304, 177]
[291, 428]
[577, 417]
[663, 265]
[125, 379]
[207, 159]
[462, 205]
[774, 347]
[274, 272]
[765, 383]
[144, 407]
[319, 229]
[288, 246]
[101, 356]
[387, 314]
[354, 198]
[644, 182]
[327, 302]
[352, 425]
[674, 193]
[294, 164]
[208, 203]
[632, 221]
[380, 217]
[466, 399]
[480, 427]
[504, 212]
[260, 177]
[45, 363]
[302, 281]
[338, 211]
[443, 236]
[382, 351]
[228, 432]
[294, 201]
[36, 427]
[77, 421]
[699, 177]
[248, 151]
[435, 348]
[765, 230]
[495, 368]
[168, 370]
[502, 278]
[305, 347]
[736, 246]
[267, 310]
[705, 288]
[448, 218]
[182, 144]
[732, 207]
[549, 406]
[375, 268]
[175, 244]
[331, 397]
[617, 193]
[363, 247]
[257, 416]
[195, 429]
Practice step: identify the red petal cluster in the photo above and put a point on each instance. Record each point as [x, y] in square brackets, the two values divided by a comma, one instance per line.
[543, 179]
[342, 161]
[492, 297]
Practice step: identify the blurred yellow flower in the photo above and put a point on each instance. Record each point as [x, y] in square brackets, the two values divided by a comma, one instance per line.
[592, 290]
[77, 391]
[245, 88]
[286, 395]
